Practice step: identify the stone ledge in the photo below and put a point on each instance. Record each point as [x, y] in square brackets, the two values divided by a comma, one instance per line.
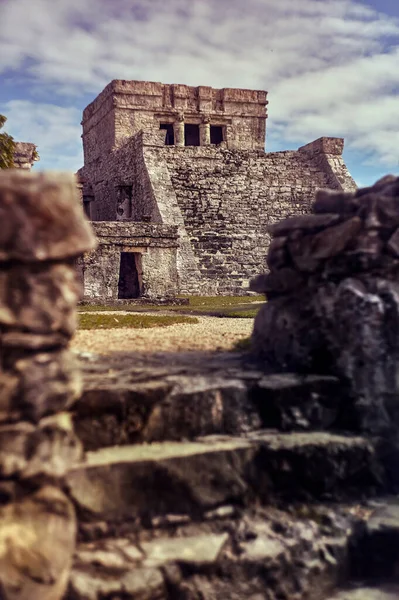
[193, 477]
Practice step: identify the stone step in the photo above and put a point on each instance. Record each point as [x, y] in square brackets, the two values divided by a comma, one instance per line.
[126, 483]
[262, 553]
[134, 398]
[377, 554]
[378, 592]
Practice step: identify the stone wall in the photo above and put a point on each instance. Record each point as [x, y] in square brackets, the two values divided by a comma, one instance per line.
[155, 249]
[228, 198]
[124, 108]
[221, 200]
[25, 155]
[220, 196]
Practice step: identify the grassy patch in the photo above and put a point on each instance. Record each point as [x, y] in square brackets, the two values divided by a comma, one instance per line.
[214, 306]
[100, 321]
[221, 301]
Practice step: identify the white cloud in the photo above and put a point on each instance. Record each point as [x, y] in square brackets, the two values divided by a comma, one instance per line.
[55, 130]
[330, 65]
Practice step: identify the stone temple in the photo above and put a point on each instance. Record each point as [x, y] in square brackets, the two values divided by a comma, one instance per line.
[181, 191]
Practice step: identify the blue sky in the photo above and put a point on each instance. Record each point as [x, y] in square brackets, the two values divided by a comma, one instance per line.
[331, 67]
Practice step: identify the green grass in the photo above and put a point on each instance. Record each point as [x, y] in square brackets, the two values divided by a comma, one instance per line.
[214, 306]
[100, 321]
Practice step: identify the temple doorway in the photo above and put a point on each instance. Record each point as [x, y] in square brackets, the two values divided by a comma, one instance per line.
[129, 284]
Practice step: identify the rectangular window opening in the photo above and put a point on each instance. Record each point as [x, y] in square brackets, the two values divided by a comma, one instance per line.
[130, 276]
[191, 135]
[170, 135]
[216, 134]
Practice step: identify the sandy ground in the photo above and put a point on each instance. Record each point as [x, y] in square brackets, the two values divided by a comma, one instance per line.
[211, 333]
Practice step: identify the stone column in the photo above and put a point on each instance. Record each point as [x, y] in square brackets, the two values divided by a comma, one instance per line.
[178, 130]
[205, 131]
[43, 231]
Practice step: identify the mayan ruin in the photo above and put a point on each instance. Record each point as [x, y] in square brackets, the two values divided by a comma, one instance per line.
[261, 475]
[181, 191]
[199, 300]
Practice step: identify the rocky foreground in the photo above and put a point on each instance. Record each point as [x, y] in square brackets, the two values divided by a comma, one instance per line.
[208, 478]
[203, 476]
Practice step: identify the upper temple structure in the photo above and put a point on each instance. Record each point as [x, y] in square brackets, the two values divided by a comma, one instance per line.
[181, 190]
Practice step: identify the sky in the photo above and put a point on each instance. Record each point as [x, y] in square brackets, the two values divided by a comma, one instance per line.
[331, 67]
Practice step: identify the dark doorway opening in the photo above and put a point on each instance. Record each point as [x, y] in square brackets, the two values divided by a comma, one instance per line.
[170, 135]
[87, 208]
[129, 284]
[191, 135]
[216, 134]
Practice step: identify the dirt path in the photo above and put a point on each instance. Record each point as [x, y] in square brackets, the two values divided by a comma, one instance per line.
[210, 333]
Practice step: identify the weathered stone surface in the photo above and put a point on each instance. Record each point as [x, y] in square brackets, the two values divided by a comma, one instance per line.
[154, 246]
[40, 299]
[197, 550]
[221, 195]
[343, 317]
[39, 453]
[284, 280]
[143, 584]
[376, 554]
[47, 382]
[277, 255]
[330, 201]
[257, 552]
[290, 402]
[33, 341]
[306, 223]
[132, 398]
[124, 482]
[41, 218]
[307, 251]
[368, 593]
[25, 155]
[42, 230]
[294, 342]
[37, 534]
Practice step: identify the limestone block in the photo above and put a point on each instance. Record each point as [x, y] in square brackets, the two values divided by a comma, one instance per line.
[41, 217]
[48, 382]
[39, 454]
[37, 533]
[40, 299]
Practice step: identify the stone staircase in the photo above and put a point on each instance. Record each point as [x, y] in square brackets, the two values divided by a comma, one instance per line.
[207, 479]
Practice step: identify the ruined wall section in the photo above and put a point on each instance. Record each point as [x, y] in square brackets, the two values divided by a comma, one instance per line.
[123, 169]
[124, 108]
[157, 247]
[190, 280]
[326, 153]
[229, 198]
[25, 155]
[98, 129]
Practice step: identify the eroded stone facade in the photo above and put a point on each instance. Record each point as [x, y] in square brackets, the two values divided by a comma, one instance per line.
[25, 155]
[194, 158]
[132, 260]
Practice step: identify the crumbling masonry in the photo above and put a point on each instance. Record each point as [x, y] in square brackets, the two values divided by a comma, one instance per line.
[184, 172]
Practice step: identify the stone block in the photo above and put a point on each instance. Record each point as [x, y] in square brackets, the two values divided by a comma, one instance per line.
[41, 218]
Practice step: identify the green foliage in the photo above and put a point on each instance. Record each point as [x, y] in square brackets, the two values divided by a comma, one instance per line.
[7, 147]
[101, 321]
